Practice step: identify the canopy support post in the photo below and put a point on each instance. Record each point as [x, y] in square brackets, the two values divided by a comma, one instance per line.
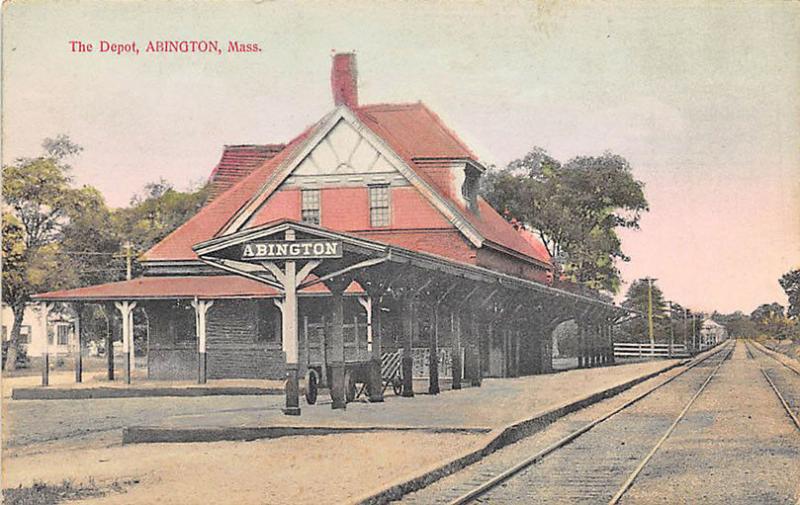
[44, 311]
[78, 307]
[371, 304]
[336, 350]
[200, 310]
[433, 348]
[407, 362]
[126, 311]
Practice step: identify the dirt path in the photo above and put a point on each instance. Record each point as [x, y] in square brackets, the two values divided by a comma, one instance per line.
[322, 470]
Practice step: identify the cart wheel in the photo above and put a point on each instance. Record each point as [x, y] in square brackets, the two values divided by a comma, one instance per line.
[397, 385]
[349, 386]
[312, 387]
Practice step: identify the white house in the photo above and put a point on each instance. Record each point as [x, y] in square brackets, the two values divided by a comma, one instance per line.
[61, 337]
[712, 333]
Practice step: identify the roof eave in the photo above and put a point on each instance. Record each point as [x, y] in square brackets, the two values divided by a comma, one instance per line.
[518, 255]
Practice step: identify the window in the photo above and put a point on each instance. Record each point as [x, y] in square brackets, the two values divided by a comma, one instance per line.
[471, 188]
[181, 322]
[25, 334]
[63, 333]
[310, 206]
[379, 205]
[268, 319]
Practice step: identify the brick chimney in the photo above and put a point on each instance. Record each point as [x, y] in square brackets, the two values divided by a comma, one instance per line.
[344, 80]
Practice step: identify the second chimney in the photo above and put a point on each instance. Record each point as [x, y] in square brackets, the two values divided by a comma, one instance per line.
[344, 80]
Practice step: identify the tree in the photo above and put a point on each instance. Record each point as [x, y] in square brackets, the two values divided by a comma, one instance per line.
[40, 202]
[766, 311]
[738, 324]
[637, 299]
[575, 207]
[155, 213]
[790, 282]
[90, 243]
[681, 324]
[13, 275]
[768, 318]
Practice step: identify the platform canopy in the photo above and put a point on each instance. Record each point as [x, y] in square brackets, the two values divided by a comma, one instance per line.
[239, 255]
[363, 259]
[187, 287]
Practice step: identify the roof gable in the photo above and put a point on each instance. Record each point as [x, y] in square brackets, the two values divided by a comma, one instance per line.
[213, 216]
[401, 138]
[343, 151]
[303, 156]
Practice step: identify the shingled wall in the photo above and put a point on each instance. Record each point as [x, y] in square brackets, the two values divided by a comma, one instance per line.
[232, 346]
[234, 350]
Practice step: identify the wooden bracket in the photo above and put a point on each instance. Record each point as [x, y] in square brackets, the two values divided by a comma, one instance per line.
[357, 266]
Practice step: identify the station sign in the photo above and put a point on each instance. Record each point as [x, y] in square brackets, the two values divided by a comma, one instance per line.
[291, 250]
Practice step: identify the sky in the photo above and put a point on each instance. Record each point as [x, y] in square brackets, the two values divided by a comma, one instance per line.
[702, 98]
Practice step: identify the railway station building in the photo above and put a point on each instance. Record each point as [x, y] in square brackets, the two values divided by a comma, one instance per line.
[360, 243]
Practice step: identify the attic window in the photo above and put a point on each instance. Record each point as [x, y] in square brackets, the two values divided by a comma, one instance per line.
[471, 187]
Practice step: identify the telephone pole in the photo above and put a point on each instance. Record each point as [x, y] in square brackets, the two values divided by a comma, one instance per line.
[128, 259]
[650, 315]
[685, 327]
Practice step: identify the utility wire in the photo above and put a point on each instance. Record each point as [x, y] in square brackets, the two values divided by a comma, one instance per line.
[87, 253]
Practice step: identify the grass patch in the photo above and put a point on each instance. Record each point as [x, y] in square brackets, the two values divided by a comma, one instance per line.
[788, 347]
[41, 493]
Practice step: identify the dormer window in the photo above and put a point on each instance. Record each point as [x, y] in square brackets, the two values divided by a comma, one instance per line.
[471, 187]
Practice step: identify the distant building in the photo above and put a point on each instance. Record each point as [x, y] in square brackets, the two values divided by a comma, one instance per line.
[712, 333]
[60, 338]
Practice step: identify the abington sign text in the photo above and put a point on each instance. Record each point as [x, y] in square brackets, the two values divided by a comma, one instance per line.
[298, 249]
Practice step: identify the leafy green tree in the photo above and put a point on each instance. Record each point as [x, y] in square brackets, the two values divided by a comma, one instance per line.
[769, 320]
[13, 276]
[637, 299]
[790, 282]
[39, 203]
[576, 208]
[156, 212]
[767, 311]
[90, 243]
[680, 321]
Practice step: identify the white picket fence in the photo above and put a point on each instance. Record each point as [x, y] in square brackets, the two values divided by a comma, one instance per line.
[646, 350]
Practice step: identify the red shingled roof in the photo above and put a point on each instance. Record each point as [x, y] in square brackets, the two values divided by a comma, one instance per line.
[213, 216]
[237, 162]
[413, 132]
[201, 286]
[535, 242]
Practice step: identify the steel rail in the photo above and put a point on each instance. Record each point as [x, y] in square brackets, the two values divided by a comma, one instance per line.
[507, 474]
[775, 390]
[632, 477]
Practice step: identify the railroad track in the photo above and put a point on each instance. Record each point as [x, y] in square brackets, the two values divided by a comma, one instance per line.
[790, 397]
[586, 487]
